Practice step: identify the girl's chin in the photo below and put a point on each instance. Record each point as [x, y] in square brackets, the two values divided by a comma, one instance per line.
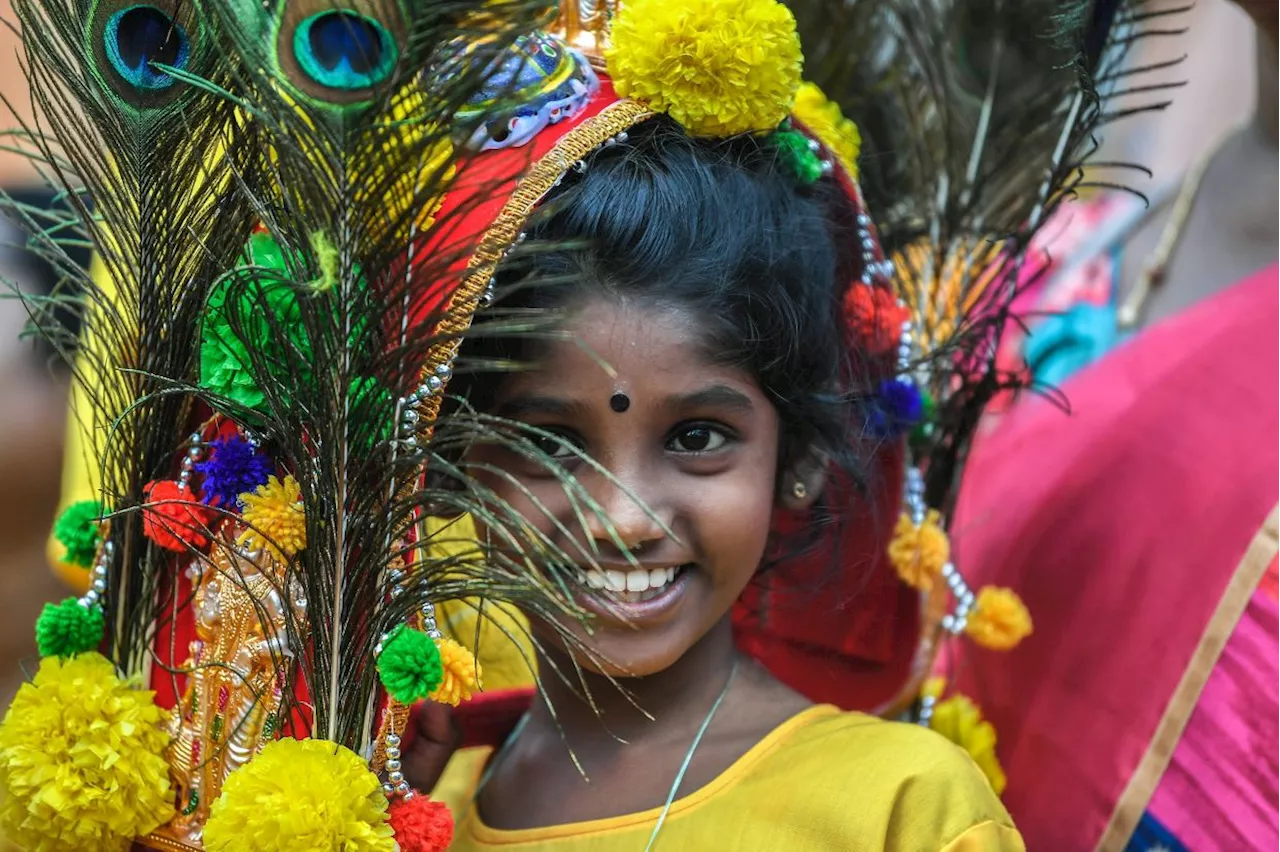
[619, 653]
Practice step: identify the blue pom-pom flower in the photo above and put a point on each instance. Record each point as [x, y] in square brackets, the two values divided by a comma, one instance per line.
[233, 468]
[897, 408]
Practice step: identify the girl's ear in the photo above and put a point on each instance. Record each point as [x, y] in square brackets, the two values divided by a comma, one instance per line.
[802, 482]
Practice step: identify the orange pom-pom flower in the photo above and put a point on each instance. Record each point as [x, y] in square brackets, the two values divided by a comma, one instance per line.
[421, 825]
[919, 552]
[1000, 619]
[174, 517]
[875, 318]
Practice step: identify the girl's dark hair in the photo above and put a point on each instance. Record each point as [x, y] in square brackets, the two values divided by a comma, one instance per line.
[716, 228]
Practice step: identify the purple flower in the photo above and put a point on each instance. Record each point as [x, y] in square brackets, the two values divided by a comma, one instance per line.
[233, 468]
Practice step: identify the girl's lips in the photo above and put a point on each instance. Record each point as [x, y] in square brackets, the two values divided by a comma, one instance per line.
[636, 609]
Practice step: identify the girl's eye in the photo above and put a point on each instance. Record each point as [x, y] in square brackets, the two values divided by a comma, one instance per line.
[697, 439]
[555, 446]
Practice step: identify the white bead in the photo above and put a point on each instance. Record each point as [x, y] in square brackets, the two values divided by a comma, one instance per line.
[403, 789]
[393, 765]
[393, 740]
[396, 778]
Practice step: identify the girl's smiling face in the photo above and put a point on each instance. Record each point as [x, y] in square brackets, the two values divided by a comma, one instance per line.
[698, 446]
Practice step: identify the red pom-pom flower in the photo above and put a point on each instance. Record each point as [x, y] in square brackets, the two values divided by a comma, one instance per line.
[874, 317]
[174, 517]
[421, 825]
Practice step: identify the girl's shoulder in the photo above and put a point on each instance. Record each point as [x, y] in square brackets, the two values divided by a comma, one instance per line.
[912, 786]
[824, 779]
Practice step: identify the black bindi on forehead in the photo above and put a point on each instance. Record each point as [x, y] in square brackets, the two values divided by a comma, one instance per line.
[619, 402]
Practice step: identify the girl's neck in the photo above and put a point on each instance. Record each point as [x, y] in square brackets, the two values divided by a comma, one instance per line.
[626, 709]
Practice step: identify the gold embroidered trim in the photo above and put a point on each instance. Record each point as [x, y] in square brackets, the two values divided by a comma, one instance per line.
[167, 844]
[501, 235]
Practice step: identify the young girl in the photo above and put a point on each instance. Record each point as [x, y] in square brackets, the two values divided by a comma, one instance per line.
[705, 363]
[728, 363]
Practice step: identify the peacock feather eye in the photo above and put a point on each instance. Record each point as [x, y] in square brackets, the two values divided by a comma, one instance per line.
[342, 49]
[137, 38]
[129, 45]
[335, 53]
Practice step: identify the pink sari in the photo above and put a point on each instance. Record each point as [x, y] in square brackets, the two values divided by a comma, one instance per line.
[1140, 531]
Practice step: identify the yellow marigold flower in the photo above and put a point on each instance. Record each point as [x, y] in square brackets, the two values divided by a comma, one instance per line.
[999, 620]
[300, 794]
[719, 67]
[461, 673]
[275, 512]
[918, 553]
[959, 720]
[824, 120]
[82, 760]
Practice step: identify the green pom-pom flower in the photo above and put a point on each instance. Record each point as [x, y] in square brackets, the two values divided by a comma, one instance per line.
[77, 530]
[409, 666]
[69, 628]
[798, 156]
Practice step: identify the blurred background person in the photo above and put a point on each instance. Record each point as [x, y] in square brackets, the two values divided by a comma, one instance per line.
[32, 409]
[1142, 712]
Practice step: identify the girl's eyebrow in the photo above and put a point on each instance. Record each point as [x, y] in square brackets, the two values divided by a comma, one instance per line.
[715, 396]
[524, 406]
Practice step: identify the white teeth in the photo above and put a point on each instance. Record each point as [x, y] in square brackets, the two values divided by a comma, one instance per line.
[633, 581]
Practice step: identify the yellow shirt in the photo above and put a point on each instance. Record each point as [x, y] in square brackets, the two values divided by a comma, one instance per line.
[823, 780]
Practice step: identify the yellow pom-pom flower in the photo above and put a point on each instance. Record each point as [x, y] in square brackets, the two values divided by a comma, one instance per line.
[999, 620]
[300, 794]
[461, 673]
[919, 552]
[719, 67]
[82, 760]
[274, 512]
[823, 118]
[959, 720]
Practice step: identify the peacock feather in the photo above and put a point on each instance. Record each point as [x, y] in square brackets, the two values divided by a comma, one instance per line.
[978, 119]
[262, 184]
[122, 141]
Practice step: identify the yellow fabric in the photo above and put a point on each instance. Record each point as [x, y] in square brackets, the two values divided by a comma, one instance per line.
[79, 460]
[824, 780]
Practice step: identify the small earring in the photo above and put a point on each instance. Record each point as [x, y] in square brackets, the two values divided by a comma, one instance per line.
[799, 491]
